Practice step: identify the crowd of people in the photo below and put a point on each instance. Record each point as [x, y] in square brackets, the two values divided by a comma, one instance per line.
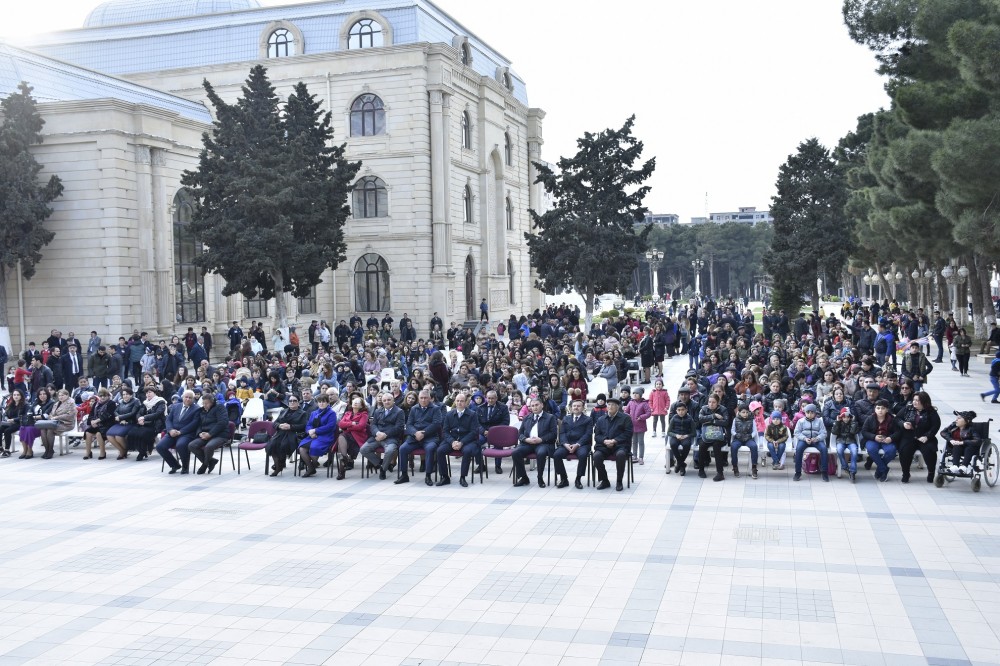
[376, 393]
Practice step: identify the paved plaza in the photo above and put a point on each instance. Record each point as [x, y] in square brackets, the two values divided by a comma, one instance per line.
[111, 562]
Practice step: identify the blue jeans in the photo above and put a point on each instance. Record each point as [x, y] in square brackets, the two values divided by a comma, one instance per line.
[776, 453]
[882, 459]
[750, 444]
[800, 448]
[996, 389]
[853, 448]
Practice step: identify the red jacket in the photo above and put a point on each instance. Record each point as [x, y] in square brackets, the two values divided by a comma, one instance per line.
[355, 425]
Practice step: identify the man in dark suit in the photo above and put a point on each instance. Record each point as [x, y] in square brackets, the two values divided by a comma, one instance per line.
[576, 436]
[182, 422]
[72, 366]
[212, 431]
[386, 427]
[423, 431]
[538, 436]
[55, 364]
[613, 439]
[461, 433]
[491, 414]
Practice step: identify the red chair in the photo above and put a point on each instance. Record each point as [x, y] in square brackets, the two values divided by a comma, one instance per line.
[500, 443]
[247, 445]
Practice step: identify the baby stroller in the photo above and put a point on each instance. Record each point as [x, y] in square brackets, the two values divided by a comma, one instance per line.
[985, 463]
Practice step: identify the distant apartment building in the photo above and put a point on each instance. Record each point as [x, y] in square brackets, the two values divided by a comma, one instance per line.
[699, 220]
[745, 215]
[661, 219]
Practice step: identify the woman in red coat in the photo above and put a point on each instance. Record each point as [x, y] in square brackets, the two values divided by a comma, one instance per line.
[353, 427]
[576, 380]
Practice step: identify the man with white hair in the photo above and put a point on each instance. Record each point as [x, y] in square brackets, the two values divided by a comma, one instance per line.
[386, 427]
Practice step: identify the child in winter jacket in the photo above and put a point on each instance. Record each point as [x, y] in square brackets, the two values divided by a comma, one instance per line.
[776, 435]
[681, 432]
[659, 406]
[639, 411]
[844, 432]
[744, 433]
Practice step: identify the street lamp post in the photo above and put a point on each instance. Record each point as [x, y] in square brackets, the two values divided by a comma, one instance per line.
[654, 257]
[870, 280]
[955, 276]
[892, 278]
[697, 265]
[922, 276]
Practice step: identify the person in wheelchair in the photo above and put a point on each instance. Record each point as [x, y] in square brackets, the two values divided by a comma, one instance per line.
[963, 442]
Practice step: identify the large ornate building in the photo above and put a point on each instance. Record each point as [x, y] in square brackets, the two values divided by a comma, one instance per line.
[438, 118]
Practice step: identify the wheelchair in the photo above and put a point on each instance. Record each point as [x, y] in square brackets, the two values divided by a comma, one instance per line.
[984, 466]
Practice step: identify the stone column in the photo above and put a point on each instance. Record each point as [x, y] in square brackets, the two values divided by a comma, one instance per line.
[162, 243]
[147, 257]
[440, 228]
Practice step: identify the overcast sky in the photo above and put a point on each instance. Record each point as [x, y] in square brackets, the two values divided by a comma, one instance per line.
[723, 90]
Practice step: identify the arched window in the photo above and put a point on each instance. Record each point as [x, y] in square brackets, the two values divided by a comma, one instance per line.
[189, 280]
[507, 81]
[466, 130]
[467, 205]
[370, 198]
[367, 116]
[509, 212]
[466, 54]
[510, 283]
[280, 44]
[508, 150]
[371, 284]
[365, 34]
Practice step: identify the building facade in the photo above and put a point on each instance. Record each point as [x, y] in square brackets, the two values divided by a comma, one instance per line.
[438, 118]
[745, 215]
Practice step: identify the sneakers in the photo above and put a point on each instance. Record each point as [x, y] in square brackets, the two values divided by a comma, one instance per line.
[956, 469]
[854, 477]
[780, 467]
[753, 472]
[797, 477]
[701, 474]
[774, 466]
[736, 471]
[641, 462]
[826, 477]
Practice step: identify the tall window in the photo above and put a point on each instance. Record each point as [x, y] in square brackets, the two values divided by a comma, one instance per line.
[370, 198]
[307, 305]
[371, 284]
[510, 283]
[508, 150]
[280, 44]
[466, 130]
[365, 34]
[467, 205]
[466, 55]
[255, 308]
[508, 83]
[367, 116]
[189, 281]
[509, 212]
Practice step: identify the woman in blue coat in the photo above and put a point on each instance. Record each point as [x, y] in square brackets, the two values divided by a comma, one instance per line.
[321, 432]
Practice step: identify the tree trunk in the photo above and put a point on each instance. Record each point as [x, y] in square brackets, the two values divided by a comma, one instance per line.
[588, 299]
[986, 276]
[4, 320]
[943, 295]
[979, 323]
[815, 296]
[280, 315]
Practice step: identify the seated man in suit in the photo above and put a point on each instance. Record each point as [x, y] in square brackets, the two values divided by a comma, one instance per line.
[538, 436]
[289, 428]
[386, 427]
[613, 439]
[491, 414]
[460, 433]
[423, 431]
[213, 429]
[182, 421]
[576, 436]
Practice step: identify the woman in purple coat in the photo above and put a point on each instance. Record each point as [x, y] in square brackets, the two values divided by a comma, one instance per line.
[639, 411]
[321, 432]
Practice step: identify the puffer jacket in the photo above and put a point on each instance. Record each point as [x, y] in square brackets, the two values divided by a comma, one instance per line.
[744, 430]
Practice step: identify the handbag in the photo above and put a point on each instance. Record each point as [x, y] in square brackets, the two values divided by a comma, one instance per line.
[713, 433]
[46, 424]
[260, 437]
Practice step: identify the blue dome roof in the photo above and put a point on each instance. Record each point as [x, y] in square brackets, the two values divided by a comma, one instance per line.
[120, 12]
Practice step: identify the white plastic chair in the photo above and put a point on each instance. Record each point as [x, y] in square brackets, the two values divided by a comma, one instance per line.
[254, 410]
[595, 386]
[387, 376]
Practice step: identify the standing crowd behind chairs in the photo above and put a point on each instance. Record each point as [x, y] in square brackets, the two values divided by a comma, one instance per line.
[829, 389]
